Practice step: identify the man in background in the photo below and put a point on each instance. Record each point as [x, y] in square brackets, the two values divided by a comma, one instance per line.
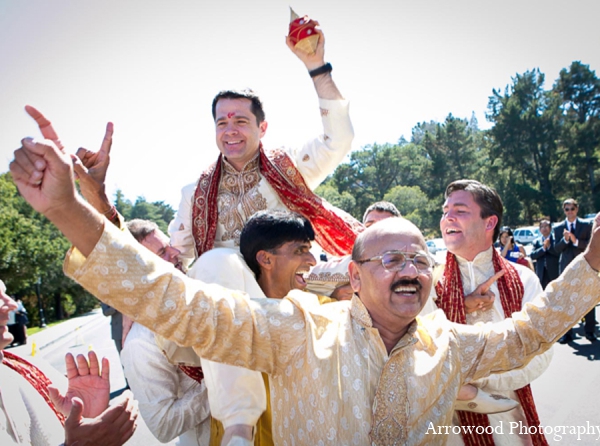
[545, 255]
[571, 236]
[172, 403]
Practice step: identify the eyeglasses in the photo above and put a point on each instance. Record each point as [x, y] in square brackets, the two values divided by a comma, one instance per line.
[396, 260]
[569, 209]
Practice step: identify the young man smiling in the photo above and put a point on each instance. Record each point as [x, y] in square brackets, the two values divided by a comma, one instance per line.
[472, 215]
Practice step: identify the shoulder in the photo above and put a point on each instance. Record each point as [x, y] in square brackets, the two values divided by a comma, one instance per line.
[188, 189]
[312, 307]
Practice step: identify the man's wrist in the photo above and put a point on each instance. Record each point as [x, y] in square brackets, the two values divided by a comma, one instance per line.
[323, 69]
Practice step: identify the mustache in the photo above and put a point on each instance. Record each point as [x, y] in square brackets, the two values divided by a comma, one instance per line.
[407, 282]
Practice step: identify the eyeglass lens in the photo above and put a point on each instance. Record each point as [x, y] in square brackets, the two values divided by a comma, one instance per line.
[395, 261]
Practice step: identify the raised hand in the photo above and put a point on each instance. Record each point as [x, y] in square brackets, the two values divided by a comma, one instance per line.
[482, 298]
[311, 60]
[91, 167]
[113, 427]
[44, 175]
[88, 382]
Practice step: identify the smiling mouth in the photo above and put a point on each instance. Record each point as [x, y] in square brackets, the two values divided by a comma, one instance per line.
[232, 143]
[406, 286]
[452, 231]
[300, 277]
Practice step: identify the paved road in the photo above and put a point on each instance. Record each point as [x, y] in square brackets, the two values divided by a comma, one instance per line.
[566, 395]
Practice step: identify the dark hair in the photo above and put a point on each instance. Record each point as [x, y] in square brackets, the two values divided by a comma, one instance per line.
[487, 198]
[140, 229]
[544, 222]
[268, 230]
[381, 206]
[570, 201]
[256, 105]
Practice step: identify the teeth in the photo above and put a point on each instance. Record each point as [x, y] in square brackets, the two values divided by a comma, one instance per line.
[405, 289]
[451, 231]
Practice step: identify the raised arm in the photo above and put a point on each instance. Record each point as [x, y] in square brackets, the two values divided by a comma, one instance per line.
[509, 344]
[324, 84]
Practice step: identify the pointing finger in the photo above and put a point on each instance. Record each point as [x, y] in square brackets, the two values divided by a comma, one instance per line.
[485, 286]
[45, 125]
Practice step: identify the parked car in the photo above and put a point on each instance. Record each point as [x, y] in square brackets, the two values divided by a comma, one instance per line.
[438, 249]
[526, 235]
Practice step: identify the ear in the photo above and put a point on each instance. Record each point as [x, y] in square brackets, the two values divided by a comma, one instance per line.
[263, 128]
[491, 223]
[264, 259]
[354, 273]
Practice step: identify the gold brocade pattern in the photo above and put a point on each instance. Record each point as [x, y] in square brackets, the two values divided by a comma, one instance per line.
[327, 277]
[239, 198]
[327, 363]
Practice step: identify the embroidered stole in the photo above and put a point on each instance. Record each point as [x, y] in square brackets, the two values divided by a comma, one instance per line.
[451, 300]
[35, 377]
[335, 230]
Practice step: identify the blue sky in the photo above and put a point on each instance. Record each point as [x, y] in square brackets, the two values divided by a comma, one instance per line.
[152, 67]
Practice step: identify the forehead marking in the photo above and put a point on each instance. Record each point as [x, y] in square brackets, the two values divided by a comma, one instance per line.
[230, 114]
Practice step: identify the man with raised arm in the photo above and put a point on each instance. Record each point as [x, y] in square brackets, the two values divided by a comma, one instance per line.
[364, 371]
[247, 178]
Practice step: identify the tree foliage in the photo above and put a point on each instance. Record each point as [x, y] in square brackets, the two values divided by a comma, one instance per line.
[32, 250]
[542, 148]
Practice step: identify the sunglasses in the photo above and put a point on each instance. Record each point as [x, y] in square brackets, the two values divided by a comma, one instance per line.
[396, 260]
[569, 209]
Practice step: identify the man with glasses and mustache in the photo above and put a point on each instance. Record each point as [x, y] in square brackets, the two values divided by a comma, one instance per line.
[368, 371]
[572, 236]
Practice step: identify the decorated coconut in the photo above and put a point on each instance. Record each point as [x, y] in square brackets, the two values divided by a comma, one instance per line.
[302, 32]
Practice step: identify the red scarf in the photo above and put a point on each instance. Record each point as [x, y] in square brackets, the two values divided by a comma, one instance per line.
[35, 377]
[451, 300]
[335, 230]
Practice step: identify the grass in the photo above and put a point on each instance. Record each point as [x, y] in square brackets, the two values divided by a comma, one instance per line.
[33, 330]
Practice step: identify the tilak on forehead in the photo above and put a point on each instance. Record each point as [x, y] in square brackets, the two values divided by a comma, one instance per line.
[230, 114]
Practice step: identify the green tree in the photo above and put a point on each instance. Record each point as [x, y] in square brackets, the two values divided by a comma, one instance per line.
[579, 90]
[32, 249]
[159, 212]
[527, 124]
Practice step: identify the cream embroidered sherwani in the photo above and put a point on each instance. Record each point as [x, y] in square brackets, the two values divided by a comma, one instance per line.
[472, 275]
[326, 362]
[242, 194]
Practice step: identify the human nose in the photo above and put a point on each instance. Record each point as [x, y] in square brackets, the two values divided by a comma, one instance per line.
[310, 259]
[230, 128]
[172, 253]
[410, 268]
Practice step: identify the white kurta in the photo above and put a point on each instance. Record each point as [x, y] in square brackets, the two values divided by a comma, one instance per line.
[171, 403]
[238, 201]
[473, 274]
